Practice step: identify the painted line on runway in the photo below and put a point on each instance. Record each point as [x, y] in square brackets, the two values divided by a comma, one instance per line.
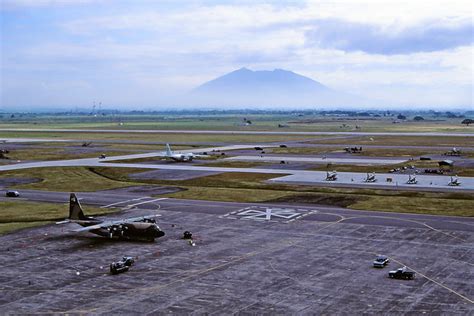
[125, 201]
[269, 214]
[145, 202]
[436, 282]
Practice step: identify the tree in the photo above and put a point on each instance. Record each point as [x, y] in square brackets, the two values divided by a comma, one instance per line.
[401, 117]
[418, 118]
[467, 121]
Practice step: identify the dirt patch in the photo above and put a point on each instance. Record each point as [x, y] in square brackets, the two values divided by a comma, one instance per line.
[335, 200]
[8, 182]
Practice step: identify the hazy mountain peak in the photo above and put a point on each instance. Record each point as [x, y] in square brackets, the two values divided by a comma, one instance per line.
[243, 69]
[278, 87]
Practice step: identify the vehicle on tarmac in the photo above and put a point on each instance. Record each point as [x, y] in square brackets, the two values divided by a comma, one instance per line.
[103, 156]
[381, 261]
[331, 176]
[122, 265]
[401, 273]
[11, 193]
[137, 228]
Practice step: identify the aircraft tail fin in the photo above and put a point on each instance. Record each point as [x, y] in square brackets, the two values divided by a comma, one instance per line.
[169, 152]
[75, 209]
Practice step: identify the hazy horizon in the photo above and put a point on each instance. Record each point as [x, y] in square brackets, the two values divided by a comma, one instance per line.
[148, 55]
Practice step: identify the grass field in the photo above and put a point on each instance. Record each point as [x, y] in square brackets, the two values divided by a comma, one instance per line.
[54, 154]
[68, 179]
[237, 187]
[434, 141]
[158, 137]
[260, 122]
[21, 214]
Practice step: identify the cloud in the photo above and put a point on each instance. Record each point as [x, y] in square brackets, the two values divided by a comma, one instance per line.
[19, 4]
[134, 51]
[374, 39]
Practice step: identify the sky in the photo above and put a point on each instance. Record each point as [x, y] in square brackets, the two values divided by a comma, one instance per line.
[141, 54]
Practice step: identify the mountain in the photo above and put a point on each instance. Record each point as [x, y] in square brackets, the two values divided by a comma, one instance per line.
[277, 88]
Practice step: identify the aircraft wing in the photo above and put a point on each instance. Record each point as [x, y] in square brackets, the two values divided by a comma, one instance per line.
[108, 224]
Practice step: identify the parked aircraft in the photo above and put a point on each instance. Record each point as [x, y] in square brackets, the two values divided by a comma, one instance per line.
[353, 150]
[412, 180]
[138, 228]
[454, 181]
[331, 176]
[370, 178]
[180, 156]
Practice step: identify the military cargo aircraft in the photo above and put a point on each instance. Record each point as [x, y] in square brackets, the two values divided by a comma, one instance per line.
[138, 228]
[454, 181]
[331, 176]
[412, 180]
[370, 178]
[181, 157]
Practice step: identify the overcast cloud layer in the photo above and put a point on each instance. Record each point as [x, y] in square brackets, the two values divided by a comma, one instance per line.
[144, 53]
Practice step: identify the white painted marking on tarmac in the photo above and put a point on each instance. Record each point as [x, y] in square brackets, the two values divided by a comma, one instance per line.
[436, 282]
[125, 201]
[145, 202]
[267, 213]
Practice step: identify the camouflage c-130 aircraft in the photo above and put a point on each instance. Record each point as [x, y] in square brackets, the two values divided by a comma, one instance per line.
[137, 228]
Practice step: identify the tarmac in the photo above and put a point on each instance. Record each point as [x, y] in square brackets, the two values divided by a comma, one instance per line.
[247, 258]
[395, 181]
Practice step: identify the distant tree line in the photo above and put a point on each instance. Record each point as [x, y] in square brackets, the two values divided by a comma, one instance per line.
[467, 122]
